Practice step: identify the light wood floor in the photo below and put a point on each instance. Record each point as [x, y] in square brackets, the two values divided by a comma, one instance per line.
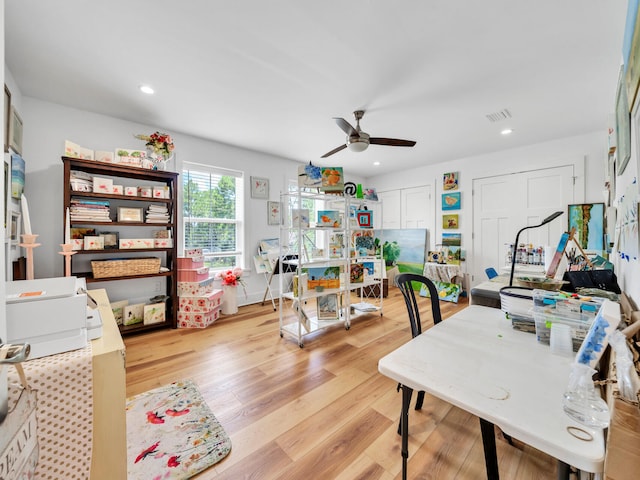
[321, 412]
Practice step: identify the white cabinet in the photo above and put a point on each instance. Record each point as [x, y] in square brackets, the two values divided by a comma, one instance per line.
[338, 265]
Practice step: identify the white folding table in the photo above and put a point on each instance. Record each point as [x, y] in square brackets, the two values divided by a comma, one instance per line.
[476, 361]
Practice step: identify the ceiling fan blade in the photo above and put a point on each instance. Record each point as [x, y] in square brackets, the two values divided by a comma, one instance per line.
[394, 142]
[335, 150]
[345, 126]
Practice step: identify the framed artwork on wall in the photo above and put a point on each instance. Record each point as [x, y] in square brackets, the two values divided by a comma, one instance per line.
[15, 132]
[260, 187]
[273, 213]
[623, 126]
[7, 117]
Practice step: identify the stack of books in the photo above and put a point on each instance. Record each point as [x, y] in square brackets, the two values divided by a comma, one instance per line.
[157, 214]
[89, 210]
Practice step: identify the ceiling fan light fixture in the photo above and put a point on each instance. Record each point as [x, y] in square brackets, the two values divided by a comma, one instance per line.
[358, 145]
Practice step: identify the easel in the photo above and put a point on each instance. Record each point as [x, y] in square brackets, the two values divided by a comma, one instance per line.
[288, 268]
[560, 251]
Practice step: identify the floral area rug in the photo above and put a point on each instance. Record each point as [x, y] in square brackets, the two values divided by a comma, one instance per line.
[172, 434]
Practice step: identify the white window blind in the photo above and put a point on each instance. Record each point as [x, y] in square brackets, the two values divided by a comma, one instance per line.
[213, 213]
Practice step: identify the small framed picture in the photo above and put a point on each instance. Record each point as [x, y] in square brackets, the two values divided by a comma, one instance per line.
[15, 132]
[364, 218]
[110, 239]
[273, 213]
[370, 194]
[128, 214]
[14, 227]
[328, 307]
[260, 187]
[7, 117]
[93, 242]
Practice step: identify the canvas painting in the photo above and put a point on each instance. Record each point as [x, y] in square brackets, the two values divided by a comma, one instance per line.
[450, 221]
[329, 218]
[356, 273]
[447, 292]
[154, 313]
[450, 181]
[332, 180]
[588, 221]
[452, 242]
[370, 194]
[324, 277]
[309, 176]
[133, 314]
[17, 176]
[300, 217]
[451, 201]
[405, 249]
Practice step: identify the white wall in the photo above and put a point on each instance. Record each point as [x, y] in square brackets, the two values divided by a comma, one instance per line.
[587, 153]
[48, 125]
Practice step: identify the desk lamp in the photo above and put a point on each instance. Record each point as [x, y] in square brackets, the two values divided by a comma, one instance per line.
[515, 245]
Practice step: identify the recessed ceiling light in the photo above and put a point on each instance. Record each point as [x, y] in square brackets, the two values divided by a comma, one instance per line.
[376, 163]
[506, 131]
[146, 89]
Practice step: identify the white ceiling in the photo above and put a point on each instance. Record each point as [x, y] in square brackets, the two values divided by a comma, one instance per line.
[270, 75]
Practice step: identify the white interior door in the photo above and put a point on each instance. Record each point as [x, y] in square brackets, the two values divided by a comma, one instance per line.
[504, 204]
[417, 210]
[390, 208]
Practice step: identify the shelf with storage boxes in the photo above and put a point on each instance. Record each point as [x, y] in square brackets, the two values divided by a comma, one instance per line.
[198, 301]
[121, 223]
[339, 267]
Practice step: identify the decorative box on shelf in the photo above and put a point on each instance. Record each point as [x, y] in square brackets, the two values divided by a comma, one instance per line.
[187, 263]
[193, 274]
[197, 320]
[200, 303]
[194, 289]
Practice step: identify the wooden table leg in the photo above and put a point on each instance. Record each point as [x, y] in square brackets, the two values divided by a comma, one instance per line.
[490, 454]
[404, 423]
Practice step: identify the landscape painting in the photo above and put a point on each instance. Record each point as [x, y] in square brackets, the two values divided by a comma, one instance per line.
[405, 249]
[588, 221]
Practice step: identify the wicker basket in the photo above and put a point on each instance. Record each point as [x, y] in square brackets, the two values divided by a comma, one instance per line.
[125, 267]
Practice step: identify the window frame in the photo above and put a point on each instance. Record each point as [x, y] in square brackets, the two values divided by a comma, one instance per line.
[238, 253]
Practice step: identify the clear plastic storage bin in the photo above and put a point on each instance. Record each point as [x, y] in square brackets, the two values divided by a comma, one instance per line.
[578, 322]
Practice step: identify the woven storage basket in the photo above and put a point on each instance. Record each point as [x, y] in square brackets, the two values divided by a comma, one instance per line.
[124, 267]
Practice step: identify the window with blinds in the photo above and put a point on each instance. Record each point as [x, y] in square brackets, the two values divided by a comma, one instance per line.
[212, 213]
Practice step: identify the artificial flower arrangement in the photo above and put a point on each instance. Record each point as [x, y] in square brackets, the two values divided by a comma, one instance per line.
[232, 278]
[160, 143]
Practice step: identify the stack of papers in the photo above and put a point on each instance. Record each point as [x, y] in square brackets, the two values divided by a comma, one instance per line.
[157, 214]
[89, 211]
[81, 181]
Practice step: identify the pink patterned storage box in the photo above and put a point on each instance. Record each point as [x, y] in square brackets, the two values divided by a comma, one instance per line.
[187, 263]
[195, 289]
[200, 303]
[193, 275]
[197, 320]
